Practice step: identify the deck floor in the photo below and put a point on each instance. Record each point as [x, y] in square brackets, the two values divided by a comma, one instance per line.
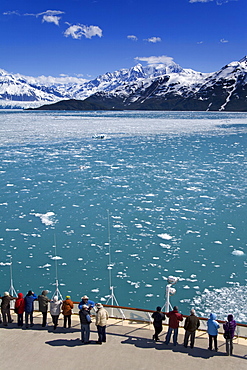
[129, 346]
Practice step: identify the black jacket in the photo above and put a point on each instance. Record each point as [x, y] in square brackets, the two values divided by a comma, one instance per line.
[158, 317]
[83, 317]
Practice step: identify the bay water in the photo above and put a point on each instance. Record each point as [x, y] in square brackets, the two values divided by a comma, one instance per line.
[125, 199]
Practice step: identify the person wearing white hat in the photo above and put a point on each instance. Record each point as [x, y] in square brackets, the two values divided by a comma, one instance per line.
[85, 300]
[101, 321]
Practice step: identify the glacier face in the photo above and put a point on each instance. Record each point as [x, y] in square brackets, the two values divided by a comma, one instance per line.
[161, 86]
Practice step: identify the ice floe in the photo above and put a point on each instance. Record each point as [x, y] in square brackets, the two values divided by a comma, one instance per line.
[46, 218]
[165, 236]
[237, 252]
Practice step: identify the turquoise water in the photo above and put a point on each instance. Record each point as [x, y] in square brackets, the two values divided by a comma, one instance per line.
[173, 185]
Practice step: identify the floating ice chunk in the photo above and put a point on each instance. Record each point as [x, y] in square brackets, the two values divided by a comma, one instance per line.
[5, 264]
[95, 290]
[217, 242]
[56, 258]
[167, 246]
[148, 286]
[165, 236]
[186, 287]
[237, 253]
[156, 258]
[46, 218]
[80, 259]
[149, 295]
[45, 266]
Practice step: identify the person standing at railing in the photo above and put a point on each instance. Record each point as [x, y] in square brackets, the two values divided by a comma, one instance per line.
[229, 329]
[174, 318]
[43, 306]
[55, 309]
[191, 324]
[29, 299]
[5, 308]
[213, 327]
[85, 320]
[20, 308]
[158, 317]
[67, 311]
[101, 321]
[85, 300]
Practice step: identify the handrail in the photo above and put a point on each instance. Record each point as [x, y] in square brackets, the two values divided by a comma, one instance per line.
[151, 311]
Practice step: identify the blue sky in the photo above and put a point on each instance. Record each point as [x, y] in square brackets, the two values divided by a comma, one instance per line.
[90, 37]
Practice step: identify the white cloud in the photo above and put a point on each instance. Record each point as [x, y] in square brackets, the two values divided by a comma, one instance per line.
[62, 79]
[50, 16]
[132, 37]
[51, 19]
[163, 59]
[223, 41]
[79, 30]
[14, 12]
[153, 39]
[51, 12]
[218, 2]
[47, 12]
[200, 1]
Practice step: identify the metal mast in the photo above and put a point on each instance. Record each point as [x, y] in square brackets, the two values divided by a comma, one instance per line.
[57, 291]
[112, 298]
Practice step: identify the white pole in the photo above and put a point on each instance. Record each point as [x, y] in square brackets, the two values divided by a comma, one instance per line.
[57, 291]
[167, 305]
[12, 290]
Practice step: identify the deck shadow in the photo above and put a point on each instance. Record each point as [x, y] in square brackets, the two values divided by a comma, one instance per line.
[64, 342]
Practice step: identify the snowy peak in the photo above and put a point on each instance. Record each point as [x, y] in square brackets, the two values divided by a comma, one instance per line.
[154, 86]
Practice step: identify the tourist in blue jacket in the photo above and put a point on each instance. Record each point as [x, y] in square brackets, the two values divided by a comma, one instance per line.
[85, 300]
[30, 297]
[213, 327]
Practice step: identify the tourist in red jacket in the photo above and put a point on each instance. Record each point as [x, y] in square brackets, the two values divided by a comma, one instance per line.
[174, 318]
[20, 308]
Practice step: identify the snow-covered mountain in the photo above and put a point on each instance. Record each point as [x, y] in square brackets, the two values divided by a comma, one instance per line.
[185, 89]
[154, 87]
[24, 91]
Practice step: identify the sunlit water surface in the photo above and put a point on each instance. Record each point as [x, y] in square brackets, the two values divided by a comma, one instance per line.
[172, 184]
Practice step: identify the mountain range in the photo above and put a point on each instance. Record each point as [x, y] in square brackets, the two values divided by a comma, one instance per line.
[151, 87]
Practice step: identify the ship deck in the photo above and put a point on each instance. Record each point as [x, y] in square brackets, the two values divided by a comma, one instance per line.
[129, 346]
